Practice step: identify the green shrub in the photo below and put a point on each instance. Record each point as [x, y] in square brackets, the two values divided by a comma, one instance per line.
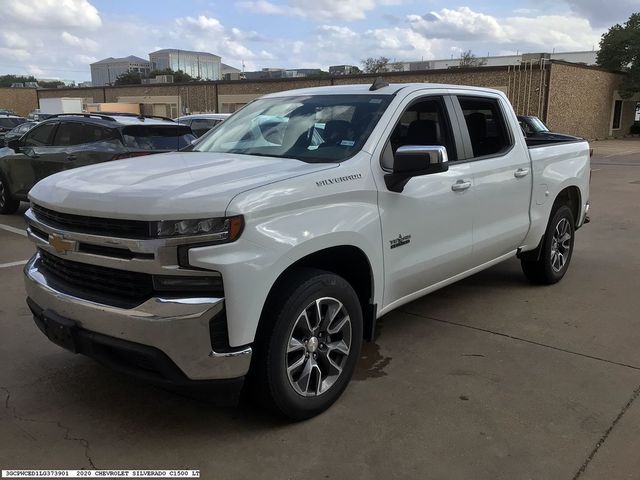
[635, 129]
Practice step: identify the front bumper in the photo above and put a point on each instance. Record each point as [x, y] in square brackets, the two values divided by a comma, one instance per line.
[178, 328]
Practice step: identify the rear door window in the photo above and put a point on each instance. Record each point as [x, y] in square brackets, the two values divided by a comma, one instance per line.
[70, 133]
[486, 126]
[157, 137]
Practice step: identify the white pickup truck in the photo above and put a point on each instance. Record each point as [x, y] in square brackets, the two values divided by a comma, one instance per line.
[269, 250]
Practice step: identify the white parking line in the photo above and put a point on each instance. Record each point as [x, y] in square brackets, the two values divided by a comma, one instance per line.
[13, 264]
[13, 230]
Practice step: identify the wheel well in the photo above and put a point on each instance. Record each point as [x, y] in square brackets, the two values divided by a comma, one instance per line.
[350, 263]
[570, 197]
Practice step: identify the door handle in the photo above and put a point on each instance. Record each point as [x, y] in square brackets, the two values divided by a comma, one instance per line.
[460, 185]
[521, 172]
[71, 157]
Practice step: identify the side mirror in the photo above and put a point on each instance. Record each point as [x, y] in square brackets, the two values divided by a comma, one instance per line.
[414, 161]
[14, 144]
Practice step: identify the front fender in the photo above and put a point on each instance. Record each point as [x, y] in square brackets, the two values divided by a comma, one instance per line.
[271, 244]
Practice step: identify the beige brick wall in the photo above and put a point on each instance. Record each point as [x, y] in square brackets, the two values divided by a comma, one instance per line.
[569, 98]
[581, 102]
[22, 100]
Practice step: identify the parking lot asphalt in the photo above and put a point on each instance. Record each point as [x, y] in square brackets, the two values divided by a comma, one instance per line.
[490, 378]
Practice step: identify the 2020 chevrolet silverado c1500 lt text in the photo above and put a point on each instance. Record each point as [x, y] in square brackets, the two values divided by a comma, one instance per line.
[269, 250]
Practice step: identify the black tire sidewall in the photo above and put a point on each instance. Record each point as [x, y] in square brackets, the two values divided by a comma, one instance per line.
[550, 273]
[11, 205]
[285, 398]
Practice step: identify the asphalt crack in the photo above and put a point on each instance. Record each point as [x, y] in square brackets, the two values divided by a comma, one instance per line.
[67, 431]
[605, 435]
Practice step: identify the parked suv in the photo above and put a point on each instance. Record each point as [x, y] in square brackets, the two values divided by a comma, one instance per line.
[68, 141]
[9, 122]
[202, 123]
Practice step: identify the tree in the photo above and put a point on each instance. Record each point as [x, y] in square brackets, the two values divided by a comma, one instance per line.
[468, 59]
[51, 84]
[8, 80]
[375, 65]
[620, 50]
[128, 78]
[178, 76]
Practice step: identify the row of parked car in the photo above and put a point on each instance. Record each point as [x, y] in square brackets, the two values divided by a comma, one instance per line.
[35, 150]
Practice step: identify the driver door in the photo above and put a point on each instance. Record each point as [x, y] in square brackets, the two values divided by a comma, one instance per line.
[21, 166]
[427, 228]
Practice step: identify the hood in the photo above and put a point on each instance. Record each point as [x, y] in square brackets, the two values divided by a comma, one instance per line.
[165, 186]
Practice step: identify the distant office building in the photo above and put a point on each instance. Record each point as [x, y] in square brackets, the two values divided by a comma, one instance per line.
[583, 57]
[206, 66]
[343, 70]
[282, 73]
[229, 71]
[105, 72]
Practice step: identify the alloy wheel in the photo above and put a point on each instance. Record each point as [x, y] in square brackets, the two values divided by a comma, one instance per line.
[560, 245]
[318, 347]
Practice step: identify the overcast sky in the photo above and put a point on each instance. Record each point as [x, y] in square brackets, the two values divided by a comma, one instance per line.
[59, 38]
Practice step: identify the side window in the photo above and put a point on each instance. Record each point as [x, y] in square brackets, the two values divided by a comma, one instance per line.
[424, 122]
[40, 136]
[69, 133]
[486, 125]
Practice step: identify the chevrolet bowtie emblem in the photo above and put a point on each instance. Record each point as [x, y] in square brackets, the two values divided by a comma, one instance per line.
[60, 244]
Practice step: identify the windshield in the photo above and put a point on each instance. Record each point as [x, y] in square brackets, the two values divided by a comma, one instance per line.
[318, 128]
[537, 125]
[157, 137]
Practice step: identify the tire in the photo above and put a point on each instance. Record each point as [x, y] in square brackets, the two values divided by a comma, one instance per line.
[556, 250]
[8, 204]
[291, 343]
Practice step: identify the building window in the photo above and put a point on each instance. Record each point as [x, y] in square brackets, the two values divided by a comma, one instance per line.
[617, 115]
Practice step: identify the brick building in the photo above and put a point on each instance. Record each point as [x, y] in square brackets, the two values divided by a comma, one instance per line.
[569, 98]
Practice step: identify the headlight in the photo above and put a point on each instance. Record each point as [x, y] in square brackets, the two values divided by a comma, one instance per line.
[220, 229]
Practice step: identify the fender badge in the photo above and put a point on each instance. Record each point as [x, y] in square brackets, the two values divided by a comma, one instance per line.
[60, 244]
[400, 241]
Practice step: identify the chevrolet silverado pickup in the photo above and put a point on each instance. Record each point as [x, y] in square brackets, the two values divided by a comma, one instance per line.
[268, 251]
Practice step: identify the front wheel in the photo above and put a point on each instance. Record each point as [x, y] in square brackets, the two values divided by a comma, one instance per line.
[309, 345]
[8, 204]
[557, 248]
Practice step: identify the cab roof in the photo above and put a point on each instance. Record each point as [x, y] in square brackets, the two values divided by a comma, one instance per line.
[364, 89]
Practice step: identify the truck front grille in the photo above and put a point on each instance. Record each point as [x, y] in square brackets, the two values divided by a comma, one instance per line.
[110, 227]
[96, 283]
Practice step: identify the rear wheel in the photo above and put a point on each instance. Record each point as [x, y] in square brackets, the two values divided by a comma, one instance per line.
[309, 345]
[556, 251]
[8, 204]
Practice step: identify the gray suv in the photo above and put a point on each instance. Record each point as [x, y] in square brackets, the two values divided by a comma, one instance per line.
[69, 141]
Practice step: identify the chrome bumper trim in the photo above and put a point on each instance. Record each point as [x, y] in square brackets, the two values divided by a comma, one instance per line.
[178, 327]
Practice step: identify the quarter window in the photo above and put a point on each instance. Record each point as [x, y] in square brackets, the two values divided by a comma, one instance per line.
[486, 125]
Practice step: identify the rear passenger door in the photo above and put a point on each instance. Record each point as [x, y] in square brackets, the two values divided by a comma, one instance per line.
[501, 177]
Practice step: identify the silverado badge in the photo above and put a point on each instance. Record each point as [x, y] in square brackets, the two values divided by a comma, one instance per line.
[60, 244]
[400, 241]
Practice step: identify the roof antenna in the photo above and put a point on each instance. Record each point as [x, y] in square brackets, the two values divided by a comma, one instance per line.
[377, 84]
